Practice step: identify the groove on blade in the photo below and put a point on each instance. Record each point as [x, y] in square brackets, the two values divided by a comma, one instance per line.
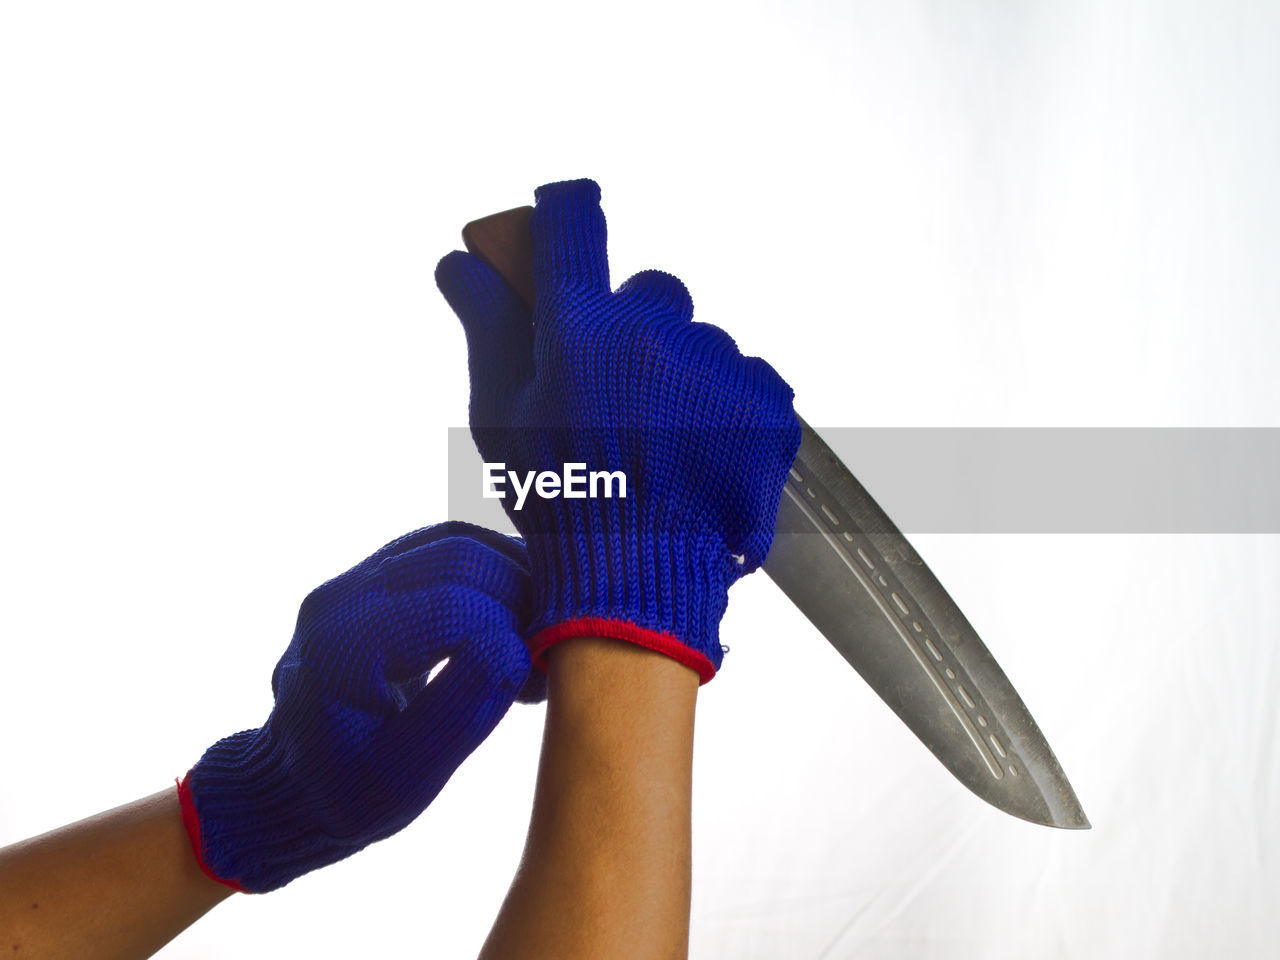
[857, 578]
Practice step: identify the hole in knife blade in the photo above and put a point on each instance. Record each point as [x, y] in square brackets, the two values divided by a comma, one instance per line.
[1013, 771]
[900, 603]
[982, 721]
[830, 516]
[848, 536]
[964, 695]
[932, 649]
[863, 555]
[999, 747]
[795, 476]
[951, 674]
[809, 491]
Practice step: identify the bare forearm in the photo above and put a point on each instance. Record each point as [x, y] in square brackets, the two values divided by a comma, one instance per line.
[606, 868]
[116, 886]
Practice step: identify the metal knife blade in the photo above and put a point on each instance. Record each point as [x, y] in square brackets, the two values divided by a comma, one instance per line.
[841, 560]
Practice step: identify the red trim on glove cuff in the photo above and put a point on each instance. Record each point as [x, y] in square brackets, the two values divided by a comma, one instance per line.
[619, 630]
[191, 820]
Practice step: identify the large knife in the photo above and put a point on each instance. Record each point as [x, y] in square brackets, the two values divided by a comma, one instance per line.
[841, 560]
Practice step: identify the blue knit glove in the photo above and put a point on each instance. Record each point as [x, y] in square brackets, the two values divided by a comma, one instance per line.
[359, 742]
[623, 381]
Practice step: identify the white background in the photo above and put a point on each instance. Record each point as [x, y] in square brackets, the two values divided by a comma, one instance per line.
[226, 375]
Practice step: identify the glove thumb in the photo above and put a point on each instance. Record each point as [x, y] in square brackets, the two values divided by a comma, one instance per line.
[499, 329]
[460, 707]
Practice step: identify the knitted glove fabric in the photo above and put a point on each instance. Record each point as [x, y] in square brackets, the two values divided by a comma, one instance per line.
[359, 742]
[622, 380]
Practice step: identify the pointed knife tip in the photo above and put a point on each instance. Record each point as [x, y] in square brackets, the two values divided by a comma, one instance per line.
[1074, 820]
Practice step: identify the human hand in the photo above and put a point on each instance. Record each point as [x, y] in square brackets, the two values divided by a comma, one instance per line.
[359, 741]
[623, 381]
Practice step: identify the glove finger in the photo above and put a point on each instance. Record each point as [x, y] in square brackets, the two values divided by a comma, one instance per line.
[417, 568]
[461, 562]
[511, 547]
[498, 326]
[708, 347]
[771, 381]
[655, 291]
[441, 594]
[709, 337]
[423, 536]
[569, 238]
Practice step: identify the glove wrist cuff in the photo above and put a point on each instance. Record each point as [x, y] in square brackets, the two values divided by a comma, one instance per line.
[191, 822]
[238, 814]
[657, 641]
[601, 576]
